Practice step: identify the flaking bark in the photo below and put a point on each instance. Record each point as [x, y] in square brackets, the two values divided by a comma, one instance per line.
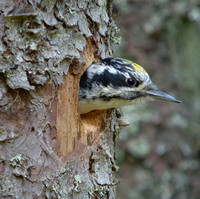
[47, 149]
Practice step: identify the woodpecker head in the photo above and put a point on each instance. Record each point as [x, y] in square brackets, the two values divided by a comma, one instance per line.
[116, 82]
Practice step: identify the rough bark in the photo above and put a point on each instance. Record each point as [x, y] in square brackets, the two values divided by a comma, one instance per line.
[47, 150]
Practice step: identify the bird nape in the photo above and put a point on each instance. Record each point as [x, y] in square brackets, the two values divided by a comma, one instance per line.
[115, 82]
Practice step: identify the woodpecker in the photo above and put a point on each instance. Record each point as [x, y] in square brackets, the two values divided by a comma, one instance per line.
[115, 82]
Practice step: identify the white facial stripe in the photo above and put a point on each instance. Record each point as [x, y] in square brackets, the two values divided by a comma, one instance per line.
[126, 74]
[96, 69]
[112, 70]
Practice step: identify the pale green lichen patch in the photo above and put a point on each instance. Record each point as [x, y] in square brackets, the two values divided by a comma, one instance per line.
[55, 192]
[17, 161]
[100, 191]
[77, 182]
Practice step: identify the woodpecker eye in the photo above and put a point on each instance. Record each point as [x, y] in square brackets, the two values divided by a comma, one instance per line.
[131, 82]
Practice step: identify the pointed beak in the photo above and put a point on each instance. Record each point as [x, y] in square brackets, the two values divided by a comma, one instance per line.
[161, 95]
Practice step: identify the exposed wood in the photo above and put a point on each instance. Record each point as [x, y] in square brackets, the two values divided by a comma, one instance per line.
[67, 115]
[91, 125]
[67, 119]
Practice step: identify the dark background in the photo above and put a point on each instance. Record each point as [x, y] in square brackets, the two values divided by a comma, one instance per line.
[159, 153]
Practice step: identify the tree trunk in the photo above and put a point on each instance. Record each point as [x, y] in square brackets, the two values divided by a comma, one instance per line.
[47, 150]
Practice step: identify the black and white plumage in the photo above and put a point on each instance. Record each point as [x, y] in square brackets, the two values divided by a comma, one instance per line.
[116, 82]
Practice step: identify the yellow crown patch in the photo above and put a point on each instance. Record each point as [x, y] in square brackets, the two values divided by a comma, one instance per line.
[136, 67]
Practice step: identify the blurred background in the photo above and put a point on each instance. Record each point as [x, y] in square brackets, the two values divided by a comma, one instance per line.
[159, 153]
